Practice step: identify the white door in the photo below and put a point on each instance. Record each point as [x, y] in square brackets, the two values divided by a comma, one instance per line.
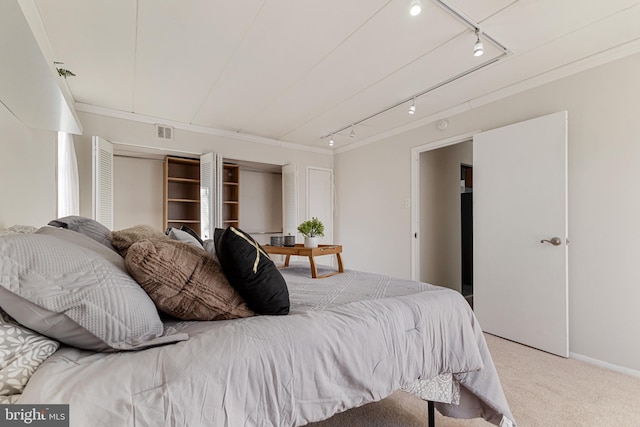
[519, 205]
[102, 176]
[320, 204]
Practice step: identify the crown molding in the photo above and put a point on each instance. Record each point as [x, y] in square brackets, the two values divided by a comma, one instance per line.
[92, 109]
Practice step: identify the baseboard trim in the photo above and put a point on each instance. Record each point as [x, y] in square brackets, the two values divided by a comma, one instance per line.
[606, 365]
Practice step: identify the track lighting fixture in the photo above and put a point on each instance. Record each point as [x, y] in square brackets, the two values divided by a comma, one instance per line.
[415, 7]
[478, 48]
[412, 109]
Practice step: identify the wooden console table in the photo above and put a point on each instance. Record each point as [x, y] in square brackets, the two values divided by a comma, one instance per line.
[300, 250]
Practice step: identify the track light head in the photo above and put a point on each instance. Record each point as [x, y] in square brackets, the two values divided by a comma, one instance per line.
[415, 7]
[331, 142]
[412, 109]
[478, 48]
[352, 133]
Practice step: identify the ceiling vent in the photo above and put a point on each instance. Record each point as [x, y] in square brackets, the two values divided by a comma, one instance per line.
[164, 132]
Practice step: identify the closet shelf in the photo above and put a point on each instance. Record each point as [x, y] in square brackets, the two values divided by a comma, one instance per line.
[182, 192]
[184, 180]
[183, 200]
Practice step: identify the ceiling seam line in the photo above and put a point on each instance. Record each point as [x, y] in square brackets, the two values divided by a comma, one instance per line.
[380, 80]
[135, 58]
[226, 65]
[323, 59]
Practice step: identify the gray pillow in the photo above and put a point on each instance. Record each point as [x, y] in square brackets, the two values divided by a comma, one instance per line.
[184, 237]
[210, 246]
[63, 286]
[87, 226]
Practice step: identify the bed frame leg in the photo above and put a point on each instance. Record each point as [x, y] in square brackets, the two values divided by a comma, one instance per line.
[431, 413]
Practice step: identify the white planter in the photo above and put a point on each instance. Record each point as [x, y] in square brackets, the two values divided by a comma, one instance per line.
[310, 242]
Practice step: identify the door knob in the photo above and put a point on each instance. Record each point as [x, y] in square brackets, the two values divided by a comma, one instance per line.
[555, 241]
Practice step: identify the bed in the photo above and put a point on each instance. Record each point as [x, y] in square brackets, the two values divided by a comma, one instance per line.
[347, 340]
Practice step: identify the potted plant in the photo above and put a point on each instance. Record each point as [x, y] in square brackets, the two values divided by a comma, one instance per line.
[311, 230]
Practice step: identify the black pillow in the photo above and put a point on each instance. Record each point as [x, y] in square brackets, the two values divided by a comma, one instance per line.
[217, 234]
[251, 272]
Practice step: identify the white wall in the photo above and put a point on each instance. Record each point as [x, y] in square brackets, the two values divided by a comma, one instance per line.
[260, 204]
[604, 207]
[27, 173]
[440, 228]
[137, 192]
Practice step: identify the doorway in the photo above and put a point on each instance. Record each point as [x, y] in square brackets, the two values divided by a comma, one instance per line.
[466, 231]
[442, 196]
[520, 265]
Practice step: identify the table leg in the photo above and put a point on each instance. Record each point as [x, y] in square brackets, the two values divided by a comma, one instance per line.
[286, 261]
[340, 266]
[314, 268]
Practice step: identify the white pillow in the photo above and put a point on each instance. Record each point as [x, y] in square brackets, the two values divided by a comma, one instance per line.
[21, 353]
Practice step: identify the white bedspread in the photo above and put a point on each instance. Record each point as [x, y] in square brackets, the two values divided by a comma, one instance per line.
[350, 339]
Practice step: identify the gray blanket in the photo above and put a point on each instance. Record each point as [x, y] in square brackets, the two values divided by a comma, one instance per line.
[349, 340]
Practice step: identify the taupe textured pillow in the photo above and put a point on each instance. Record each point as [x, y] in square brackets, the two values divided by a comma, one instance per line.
[184, 281]
[123, 239]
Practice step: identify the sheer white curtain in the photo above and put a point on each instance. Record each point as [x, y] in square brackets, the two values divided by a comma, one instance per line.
[68, 183]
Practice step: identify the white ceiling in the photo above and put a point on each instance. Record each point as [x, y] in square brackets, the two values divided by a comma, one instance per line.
[297, 71]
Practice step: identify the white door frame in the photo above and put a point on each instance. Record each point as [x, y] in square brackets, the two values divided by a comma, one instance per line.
[415, 193]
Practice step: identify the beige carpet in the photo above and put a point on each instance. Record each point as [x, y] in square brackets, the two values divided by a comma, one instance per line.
[543, 391]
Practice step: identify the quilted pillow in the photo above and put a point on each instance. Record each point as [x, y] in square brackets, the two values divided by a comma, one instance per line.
[184, 281]
[87, 226]
[21, 353]
[74, 290]
[122, 239]
[17, 229]
[251, 272]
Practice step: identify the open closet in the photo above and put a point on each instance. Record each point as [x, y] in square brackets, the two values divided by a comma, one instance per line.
[135, 186]
[212, 192]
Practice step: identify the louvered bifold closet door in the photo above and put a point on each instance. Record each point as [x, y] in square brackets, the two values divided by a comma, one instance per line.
[102, 175]
[210, 194]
